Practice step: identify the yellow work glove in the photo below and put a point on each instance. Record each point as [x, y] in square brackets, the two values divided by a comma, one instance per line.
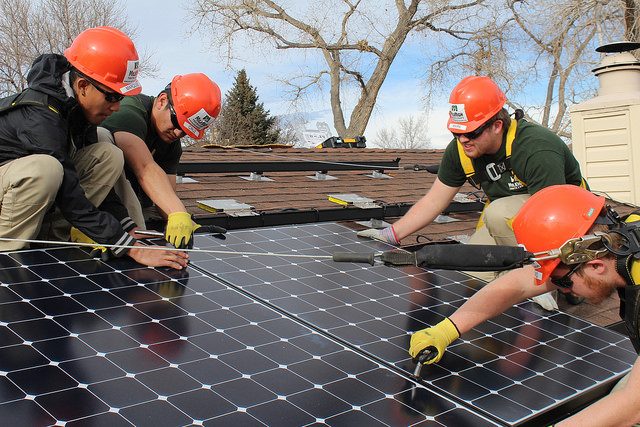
[436, 338]
[79, 237]
[180, 229]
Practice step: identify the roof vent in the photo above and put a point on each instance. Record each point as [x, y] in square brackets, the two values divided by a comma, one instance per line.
[619, 70]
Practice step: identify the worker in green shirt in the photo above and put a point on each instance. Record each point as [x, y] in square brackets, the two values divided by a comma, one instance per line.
[509, 159]
[148, 130]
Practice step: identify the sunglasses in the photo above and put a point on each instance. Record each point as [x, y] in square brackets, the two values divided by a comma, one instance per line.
[111, 97]
[565, 281]
[475, 133]
[174, 117]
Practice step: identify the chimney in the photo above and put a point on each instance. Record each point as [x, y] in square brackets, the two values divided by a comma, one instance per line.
[606, 129]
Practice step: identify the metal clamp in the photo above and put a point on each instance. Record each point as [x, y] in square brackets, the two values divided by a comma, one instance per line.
[576, 251]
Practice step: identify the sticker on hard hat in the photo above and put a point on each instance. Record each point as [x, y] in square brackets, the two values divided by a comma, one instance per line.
[200, 120]
[457, 113]
[132, 71]
[537, 274]
[457, 126]
[129, 88]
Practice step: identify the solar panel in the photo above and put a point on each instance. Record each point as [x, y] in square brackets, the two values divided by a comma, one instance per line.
[524, 365]
[83, 342]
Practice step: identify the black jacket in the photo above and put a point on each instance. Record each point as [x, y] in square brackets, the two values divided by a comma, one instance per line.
[51, 128]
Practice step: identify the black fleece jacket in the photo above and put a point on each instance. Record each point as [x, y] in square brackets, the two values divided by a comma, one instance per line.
[53, 129]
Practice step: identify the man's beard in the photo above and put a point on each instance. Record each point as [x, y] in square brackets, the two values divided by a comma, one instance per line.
[600, 289]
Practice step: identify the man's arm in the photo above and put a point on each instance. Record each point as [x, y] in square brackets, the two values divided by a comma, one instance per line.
[172, 181]
[620, 408]
[490, 301]
[498, 296]
[487, 303]
[425, 210]
[152, 178]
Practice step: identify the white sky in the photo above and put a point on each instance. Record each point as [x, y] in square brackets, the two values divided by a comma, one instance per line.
[162, 31]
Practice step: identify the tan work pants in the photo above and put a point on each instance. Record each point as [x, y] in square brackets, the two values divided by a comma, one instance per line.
[123, 187]
[495, 228]
[28, 187]
[98, 166]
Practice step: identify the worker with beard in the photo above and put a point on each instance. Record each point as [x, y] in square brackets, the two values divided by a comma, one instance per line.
[596, 255]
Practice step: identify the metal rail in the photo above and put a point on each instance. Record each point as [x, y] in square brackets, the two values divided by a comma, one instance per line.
[282, 166]
[298, 216]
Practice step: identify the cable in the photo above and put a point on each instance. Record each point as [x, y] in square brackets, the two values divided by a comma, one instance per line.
[161, 248]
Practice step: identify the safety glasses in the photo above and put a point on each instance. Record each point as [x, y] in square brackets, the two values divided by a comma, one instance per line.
[174, 117]
[109, 96]
[475, 133]
[565, 281]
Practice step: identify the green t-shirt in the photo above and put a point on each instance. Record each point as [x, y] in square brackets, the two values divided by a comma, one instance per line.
[134, 117]
[539, 158]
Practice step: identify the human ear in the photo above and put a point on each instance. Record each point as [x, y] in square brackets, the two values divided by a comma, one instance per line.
[162, 101]
[598, 266]
[82, 85]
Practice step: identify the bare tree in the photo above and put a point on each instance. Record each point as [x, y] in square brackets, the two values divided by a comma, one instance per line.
[540, 53]
[357, 40]
[410, 134]
[562, 39]
[289, 133]
[631, 9]
[29, 28]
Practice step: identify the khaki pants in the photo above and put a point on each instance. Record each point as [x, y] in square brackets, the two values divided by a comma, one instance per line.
[123, 187]
[98, 167]
[495, 228]
[28, 187]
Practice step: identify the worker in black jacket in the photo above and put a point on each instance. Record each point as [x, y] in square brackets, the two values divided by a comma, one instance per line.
[49, 153]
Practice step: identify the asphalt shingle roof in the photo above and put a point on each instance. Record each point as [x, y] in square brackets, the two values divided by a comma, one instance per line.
[294, 190]
[290, 191]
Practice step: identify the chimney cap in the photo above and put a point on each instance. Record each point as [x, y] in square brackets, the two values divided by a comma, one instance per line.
[617, 47]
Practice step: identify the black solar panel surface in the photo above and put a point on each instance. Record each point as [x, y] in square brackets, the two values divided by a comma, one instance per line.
[83, 342]
[515, 367]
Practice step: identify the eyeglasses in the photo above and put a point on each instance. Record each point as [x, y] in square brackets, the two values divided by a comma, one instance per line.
[475, 133]
[109, 96]
[565, 281]
[174, 117]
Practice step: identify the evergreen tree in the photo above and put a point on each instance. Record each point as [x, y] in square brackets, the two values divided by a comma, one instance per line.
[243, 120]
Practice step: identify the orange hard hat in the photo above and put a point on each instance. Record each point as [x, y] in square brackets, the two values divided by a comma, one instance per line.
[472, 102]
[108, 56]
[196, 100]
[551, 217]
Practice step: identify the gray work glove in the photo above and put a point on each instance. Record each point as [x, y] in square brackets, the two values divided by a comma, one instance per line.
[386, 235]
[546, 301]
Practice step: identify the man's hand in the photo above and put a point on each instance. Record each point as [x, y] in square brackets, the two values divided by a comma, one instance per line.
[387, 235]
[438, 337]
[159, 258]
[79, 237]
[546, 301]
[180, 229]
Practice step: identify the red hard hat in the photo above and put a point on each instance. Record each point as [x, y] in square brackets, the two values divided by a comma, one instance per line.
[472, 102]
[108, 56]
[197, 101]
[551, 217]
